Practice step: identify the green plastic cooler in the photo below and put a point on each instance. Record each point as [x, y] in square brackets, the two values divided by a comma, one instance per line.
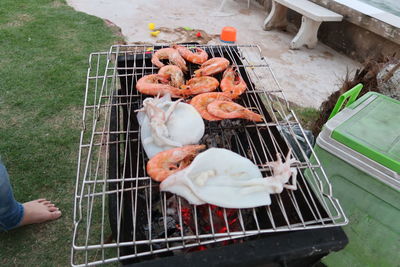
[359, 149]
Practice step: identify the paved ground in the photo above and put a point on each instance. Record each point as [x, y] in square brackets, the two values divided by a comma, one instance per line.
[307, 76]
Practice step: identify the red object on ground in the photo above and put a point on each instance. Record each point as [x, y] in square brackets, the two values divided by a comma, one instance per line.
[228, 35]
[198, 34]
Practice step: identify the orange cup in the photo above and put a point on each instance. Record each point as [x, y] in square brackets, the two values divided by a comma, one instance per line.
[228, 35]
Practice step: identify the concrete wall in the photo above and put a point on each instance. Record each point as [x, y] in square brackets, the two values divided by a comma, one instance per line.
[359, 36]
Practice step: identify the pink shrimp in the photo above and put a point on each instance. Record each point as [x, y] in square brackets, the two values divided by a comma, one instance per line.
[172, 55]
[212, 66]
[231, 110]
[200, 103]
[174, 74]
[199, 57]
[199, 85]
[232, 83]
[170, 161]
[156, 84]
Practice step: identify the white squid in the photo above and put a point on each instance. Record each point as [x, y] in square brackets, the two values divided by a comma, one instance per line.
[223, 178]
[166, 124]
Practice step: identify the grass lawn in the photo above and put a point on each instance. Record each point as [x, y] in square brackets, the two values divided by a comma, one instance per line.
[306, 115]
[44, 47]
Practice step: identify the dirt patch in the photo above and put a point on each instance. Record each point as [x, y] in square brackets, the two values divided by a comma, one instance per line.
[56, 4]
[180, 35]
[19, 21]
[328, 54]
[114, 28]
[8, 119]
[71, 118]
[245, 11]
[325, 55]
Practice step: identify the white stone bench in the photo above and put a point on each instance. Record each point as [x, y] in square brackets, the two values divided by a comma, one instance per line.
[313, 15]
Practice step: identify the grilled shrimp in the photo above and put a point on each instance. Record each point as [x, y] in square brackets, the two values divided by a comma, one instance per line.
[172, 55]
[232, 83]
[199, 85]
[212, 66]
[170, 161]
[231, 110]
[200, 102]
[173, 73]
[156, 84]
[199, 57]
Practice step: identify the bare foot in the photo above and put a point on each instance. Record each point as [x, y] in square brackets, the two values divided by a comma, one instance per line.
[38, 211]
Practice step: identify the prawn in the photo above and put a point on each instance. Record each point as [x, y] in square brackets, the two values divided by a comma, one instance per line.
[199, 57]
[199, 85]
[170, 161]
[232, 83]
[200, 103]
[172, 55]
[231, 110]
[212, 66]
[174, 74]
[156, 84]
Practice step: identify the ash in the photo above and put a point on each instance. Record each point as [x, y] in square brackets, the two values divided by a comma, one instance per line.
[222, 133]
[228, 134]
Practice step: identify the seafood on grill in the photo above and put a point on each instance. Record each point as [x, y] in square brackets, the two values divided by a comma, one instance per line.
[156, 84]
[201, 101]
[282, 172]
[212, 66]
[171, 161]
[199, 85]
[174, 74]
[199, 57]
[173, 57]
[166, 124]
[232, 83]
[223, 178]
[231, 110]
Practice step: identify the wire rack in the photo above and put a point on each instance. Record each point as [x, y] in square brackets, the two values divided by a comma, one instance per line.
[119, 213]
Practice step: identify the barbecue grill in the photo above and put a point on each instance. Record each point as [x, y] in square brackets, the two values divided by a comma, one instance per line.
[120, 214]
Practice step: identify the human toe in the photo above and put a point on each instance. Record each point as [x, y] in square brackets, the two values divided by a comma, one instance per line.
[55, 215]
[51, 209]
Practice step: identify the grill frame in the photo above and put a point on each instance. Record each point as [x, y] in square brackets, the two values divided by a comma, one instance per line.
[99, 137]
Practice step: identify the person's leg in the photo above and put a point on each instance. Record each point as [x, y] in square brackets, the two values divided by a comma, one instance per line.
[14, 214]
[11, 211]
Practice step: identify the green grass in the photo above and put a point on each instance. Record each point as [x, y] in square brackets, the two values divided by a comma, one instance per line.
[44, 47]
[307, 116]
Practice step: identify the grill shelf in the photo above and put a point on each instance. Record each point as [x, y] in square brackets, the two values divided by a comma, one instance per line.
[112, 182]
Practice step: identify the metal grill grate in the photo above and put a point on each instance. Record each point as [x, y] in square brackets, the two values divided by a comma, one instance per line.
[115, 198]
